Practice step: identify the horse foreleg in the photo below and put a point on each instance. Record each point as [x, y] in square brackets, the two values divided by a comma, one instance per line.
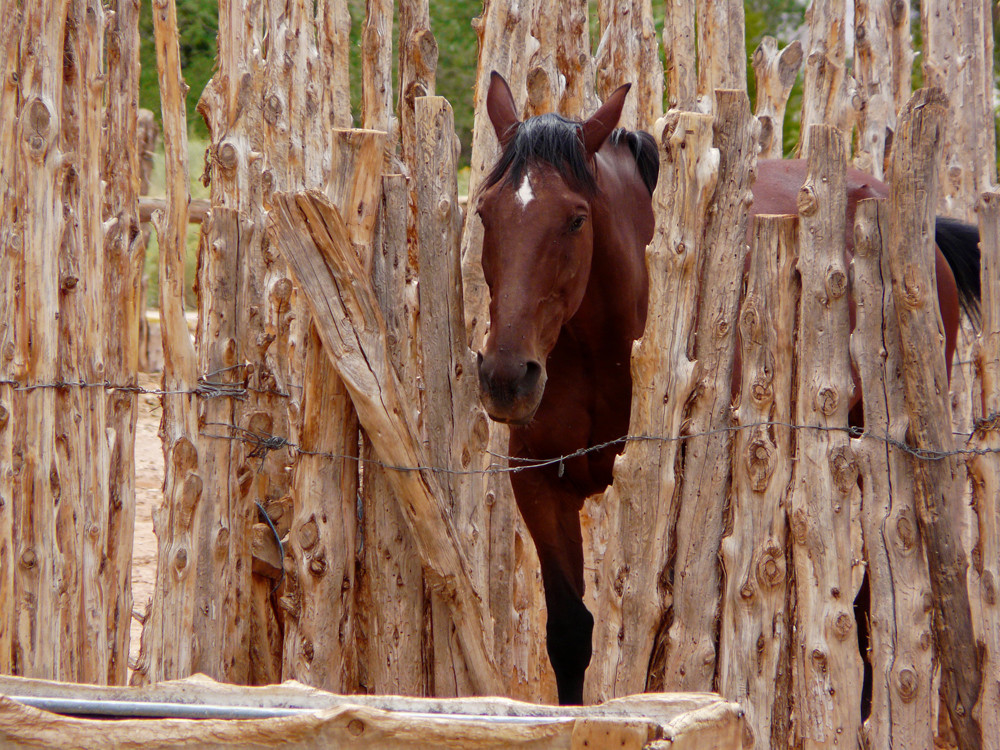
[551, 511]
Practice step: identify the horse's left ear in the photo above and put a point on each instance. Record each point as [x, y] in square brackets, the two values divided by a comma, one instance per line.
[597, 129]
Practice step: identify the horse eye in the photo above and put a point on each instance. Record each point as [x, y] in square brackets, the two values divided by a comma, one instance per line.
[577, 223]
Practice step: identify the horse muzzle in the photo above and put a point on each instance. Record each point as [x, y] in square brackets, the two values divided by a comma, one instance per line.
[510, 388]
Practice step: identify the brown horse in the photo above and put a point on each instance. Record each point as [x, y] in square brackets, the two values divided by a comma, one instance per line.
[567, 214]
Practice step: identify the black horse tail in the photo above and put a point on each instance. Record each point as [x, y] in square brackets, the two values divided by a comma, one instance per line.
[959, 244]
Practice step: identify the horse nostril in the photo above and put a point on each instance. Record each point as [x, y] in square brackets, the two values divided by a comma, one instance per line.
[532, 373]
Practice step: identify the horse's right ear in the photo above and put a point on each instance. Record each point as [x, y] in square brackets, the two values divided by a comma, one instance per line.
[501, 109]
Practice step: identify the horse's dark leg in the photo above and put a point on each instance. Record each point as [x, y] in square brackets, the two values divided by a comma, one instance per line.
[551, 512]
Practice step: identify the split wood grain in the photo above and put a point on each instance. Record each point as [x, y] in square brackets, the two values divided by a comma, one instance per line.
[904, 691]
[827, 669]
[628, 53]
[12, 249]
[183, 484]
[641, 501]
[775, 74]
[756, 630]
[688, 661]
[925, 380]
[984, 471]
[315, 243]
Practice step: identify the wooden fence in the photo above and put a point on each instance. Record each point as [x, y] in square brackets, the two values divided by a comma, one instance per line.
[329, 396]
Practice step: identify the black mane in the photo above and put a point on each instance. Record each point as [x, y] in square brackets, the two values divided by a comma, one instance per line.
[554, 139]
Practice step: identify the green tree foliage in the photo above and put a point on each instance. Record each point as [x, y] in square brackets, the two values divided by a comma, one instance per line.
[198, 23]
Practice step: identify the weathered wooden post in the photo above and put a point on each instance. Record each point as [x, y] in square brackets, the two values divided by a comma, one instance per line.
[825, 96]
[679, 54]
[628, 53]
[873, 68]
[320, 601]
[689, 657]
[171, 611]
[904, 695]
[11, 249]
[939, 482]
[315, 241]
[775, 74]
[629, 605]
[826, 663]
[957, 58]
[984, 470]
[756, 632]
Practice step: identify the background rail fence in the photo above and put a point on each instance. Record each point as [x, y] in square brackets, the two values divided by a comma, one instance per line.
[330, 382]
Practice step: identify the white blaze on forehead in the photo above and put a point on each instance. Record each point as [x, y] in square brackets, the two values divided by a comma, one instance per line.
[524, 193]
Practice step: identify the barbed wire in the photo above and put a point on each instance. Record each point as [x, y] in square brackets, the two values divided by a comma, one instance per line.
[264, 444]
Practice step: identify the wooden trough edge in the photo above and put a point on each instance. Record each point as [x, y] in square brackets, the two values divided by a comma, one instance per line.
[315, 718]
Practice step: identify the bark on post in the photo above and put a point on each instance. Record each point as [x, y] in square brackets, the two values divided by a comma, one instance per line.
[755, 639]
[775, 73]
[632, 598]
[679, 54]
[124, 251]
[984, 470]
[455, 427]
[37, 640]
[376, 67]
[688, 657]
[394, 595]
[825, 91]
[958, 56]
[873, 66]
[320, 599]
[172, 613]
[11, 251]
[911, 242]
[904, 696]
[315, 243]
[628, 53]
[827, 667]
[418, 57]
[722, 56]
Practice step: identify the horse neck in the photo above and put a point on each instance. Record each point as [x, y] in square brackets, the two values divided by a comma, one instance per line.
[614, 304]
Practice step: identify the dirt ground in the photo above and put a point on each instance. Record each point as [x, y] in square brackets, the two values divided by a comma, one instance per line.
[148, 493]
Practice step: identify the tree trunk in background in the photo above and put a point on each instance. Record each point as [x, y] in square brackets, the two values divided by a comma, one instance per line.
[756, 632]
[376, 68]
[775, 73]
[679, 53]
[418, 58]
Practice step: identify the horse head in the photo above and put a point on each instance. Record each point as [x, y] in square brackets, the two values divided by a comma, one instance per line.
[538, 241]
